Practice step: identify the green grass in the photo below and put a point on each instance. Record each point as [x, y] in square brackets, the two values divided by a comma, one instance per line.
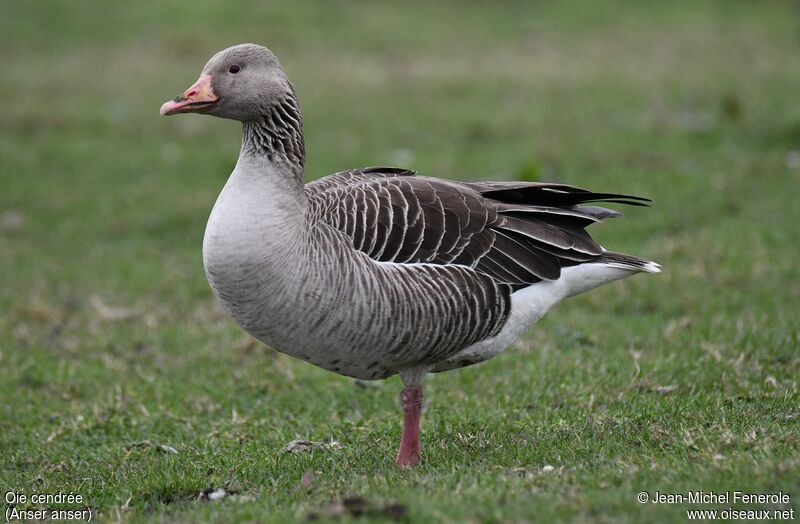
[681, 381]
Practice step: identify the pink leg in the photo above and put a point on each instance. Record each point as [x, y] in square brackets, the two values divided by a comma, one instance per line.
[409, 455]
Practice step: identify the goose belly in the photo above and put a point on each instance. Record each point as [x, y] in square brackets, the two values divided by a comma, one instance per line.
[352, 316]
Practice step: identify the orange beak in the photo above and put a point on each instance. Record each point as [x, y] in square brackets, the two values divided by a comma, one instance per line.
[196, 99]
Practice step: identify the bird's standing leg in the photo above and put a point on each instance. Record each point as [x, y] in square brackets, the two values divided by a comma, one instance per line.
[411, 398]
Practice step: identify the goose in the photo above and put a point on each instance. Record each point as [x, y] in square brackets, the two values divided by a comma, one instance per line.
[378, 271]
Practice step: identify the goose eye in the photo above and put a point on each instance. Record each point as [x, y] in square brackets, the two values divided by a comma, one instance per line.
[234, 69]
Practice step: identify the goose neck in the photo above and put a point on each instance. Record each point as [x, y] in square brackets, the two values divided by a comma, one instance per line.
[275, 135]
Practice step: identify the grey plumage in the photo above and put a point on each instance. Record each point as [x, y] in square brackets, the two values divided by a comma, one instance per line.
[392, 215]
[375, 271]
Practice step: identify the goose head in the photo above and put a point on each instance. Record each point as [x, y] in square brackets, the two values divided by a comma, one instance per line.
[237, 83]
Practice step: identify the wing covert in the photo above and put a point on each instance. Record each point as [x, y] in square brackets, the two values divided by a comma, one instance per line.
[518, 233]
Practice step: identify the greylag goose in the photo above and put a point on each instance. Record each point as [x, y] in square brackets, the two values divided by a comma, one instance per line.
[377, 271]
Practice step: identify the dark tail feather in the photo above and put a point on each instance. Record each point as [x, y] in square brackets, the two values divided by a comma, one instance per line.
[557, 195]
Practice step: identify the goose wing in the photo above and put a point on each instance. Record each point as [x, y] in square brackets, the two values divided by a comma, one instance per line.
[518, 233]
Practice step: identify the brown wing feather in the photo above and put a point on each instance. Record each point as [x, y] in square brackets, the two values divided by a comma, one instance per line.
[518, 233]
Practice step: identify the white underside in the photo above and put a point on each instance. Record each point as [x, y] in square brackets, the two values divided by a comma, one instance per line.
[529, 304]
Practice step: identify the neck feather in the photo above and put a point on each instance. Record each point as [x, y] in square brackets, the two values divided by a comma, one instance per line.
[276, 134]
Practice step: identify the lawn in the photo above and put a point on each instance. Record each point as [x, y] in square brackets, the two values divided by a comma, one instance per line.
[124, 382]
